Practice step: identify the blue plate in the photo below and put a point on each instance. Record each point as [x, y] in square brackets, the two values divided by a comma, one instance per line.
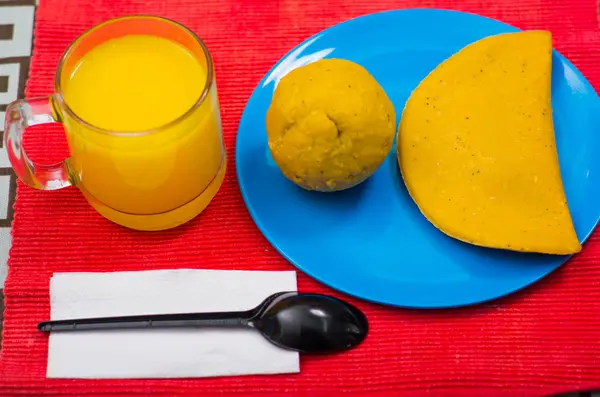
[371, 241]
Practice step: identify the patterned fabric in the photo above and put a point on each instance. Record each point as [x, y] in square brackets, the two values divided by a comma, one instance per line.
[16, 32]
[538, 342]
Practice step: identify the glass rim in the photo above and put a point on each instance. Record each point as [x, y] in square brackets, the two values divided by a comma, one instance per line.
[207, 85]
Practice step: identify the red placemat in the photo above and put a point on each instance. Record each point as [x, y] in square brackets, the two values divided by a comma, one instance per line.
[540, 341]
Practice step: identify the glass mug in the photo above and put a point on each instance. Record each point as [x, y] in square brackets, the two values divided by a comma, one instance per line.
[138, 102]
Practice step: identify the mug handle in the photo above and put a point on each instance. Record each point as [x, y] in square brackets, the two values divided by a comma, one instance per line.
[20, 115]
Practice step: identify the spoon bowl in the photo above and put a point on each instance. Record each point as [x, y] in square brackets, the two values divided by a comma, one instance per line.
[311, 323]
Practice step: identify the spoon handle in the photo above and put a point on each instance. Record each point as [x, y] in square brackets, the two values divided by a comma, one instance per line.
[217, 319]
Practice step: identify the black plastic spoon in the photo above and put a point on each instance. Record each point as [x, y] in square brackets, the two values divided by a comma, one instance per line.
[308, 323]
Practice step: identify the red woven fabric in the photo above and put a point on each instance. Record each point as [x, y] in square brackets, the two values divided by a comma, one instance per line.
[537, 342]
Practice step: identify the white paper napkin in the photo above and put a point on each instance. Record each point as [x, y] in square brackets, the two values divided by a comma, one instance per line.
[164, 353]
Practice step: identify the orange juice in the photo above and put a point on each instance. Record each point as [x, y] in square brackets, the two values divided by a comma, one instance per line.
[147, 155]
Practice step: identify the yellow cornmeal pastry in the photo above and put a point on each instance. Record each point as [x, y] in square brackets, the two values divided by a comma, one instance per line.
[330, 125]
[477, 151]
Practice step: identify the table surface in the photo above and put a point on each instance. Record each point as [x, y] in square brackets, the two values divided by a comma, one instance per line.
[23, 13]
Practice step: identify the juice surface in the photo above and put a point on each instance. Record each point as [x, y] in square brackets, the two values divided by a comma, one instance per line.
[135, 83]
[129, 85]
